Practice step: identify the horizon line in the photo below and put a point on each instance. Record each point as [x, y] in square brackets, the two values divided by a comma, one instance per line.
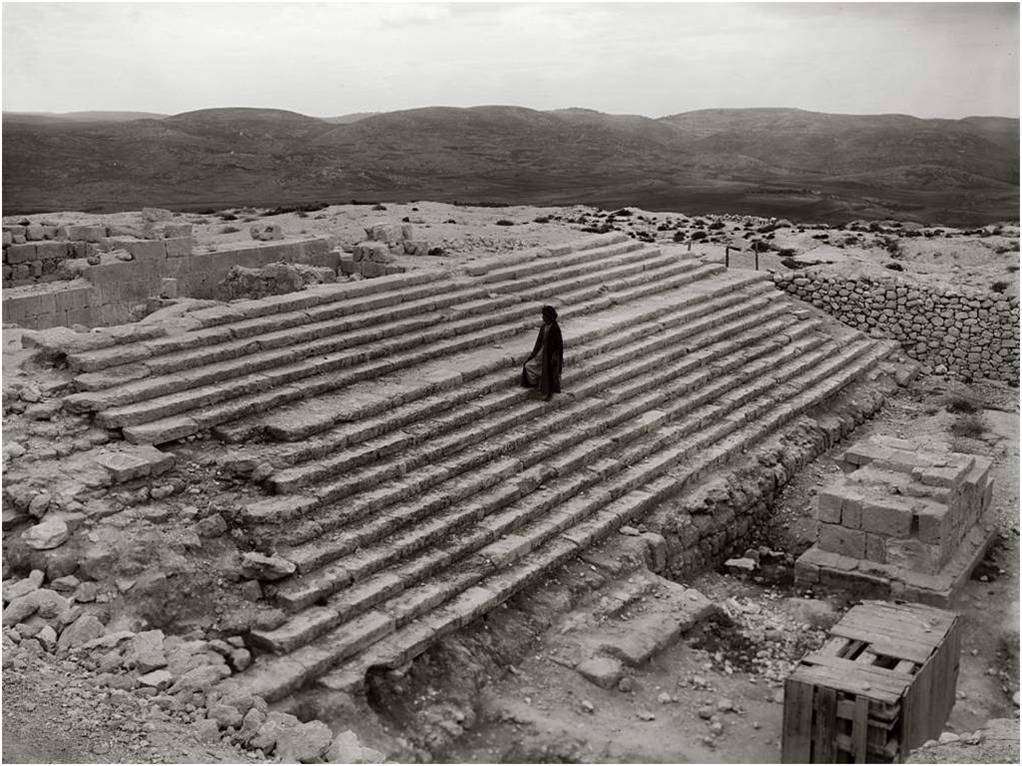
[40, 113]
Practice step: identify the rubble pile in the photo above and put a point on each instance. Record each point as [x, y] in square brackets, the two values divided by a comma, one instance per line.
[155, 677]
[272, 279]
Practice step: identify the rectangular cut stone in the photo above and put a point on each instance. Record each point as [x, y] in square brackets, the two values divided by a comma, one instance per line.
[123, 466]
[843, 541]
[887, 517]
[828, 506]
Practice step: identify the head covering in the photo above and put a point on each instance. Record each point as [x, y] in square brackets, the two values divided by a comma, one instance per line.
[549, 313]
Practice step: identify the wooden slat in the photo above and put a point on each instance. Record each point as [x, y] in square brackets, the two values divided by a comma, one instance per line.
[837, 646]
[839, 680]
[910, 625]
[825, 725]
[881, 716]
[875, 677]
[905, 666]
[797, 726]
[894, 632]
[939, 619]
[882, 644]
[860, 729]
[866, 658]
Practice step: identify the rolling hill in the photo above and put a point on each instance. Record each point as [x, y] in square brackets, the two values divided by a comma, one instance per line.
[764, 161]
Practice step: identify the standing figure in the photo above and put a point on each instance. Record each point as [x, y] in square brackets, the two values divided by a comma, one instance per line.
[542, 369]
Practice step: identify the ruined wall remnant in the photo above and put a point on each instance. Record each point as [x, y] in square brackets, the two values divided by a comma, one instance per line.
[374, 256]
[272, 279]
[907, 521]
[960, 332]
[104, 290]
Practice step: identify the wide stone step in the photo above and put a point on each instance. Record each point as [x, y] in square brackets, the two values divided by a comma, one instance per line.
[162, 396]
[707, 331]
[573, 450]
[505, 266]
[252, 317]
[300, 422]
[156, 421]
[196, 367]
[489, 401]
[414, 622]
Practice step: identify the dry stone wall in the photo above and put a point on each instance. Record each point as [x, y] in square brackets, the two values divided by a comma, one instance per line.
[962, 333]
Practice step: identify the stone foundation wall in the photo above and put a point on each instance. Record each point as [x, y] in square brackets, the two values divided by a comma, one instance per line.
[722, 517]
[104, 293]
[963, 333]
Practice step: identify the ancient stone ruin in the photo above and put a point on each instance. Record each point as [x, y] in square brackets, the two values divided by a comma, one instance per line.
[360, 452]
[905, 522]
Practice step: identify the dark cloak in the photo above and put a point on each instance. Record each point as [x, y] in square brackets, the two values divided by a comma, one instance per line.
[553, 360]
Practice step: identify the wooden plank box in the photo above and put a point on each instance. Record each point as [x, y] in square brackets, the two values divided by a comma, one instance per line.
[883, 684]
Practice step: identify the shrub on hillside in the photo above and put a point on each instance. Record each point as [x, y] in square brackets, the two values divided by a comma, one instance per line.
[225, 216]
[379, 207]
[969, 426]
[505, 222]
[999, 287]
[229, 229]
[623, 212]
[698, 235]
[541, 219]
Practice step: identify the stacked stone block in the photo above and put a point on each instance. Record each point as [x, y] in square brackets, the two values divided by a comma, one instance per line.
[967, 333]
[374, 256]
[901, 512]
[37, 253]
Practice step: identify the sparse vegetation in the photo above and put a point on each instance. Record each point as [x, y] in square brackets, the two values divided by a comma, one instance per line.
[225, 216]
[962, 401]
[541, 219]
[229, 229]
[378, 206]
[999, 286]
[894, 266]
[968, 426]
[505, 222]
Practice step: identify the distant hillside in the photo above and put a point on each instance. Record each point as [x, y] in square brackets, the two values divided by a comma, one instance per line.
[784, 162]
[82, 116]
[347, 119]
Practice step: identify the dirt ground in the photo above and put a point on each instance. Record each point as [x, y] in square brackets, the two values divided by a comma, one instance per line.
[546, 712]
[984, 258]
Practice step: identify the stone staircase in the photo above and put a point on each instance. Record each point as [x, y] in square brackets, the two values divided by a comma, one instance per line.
[415, 504]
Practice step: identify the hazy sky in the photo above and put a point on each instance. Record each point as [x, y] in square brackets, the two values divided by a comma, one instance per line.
[930, 60]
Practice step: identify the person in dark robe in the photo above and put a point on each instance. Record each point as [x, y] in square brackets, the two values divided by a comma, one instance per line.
[542, 370]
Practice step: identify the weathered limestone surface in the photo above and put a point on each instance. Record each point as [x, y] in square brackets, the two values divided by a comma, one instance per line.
[908, 520]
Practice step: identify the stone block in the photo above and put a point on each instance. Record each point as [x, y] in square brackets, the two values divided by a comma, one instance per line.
[82, 232]
[934, 522]
[875, 550]
[144, 248]
[843, 541]
[168, 288]
[887, 517]
[34, 232]
[52, 250]
[16, 254]
[173, 230]
[914, 555]
[605, 672]
[381, 231]
[178, 247]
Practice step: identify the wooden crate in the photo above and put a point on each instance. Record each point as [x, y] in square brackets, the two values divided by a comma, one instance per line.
[883, 684]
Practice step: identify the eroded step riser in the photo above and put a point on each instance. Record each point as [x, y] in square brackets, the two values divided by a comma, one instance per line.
[510, 442]
[573, 358]
[263, 316]
[419, 286]
[303, 342]
[603, 523]
[181, 427]
[115, 418]
[479, 372]
[563, 467]
[580, 257]
[289, 481]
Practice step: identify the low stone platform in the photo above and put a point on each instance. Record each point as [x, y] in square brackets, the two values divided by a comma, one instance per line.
[904, 522]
